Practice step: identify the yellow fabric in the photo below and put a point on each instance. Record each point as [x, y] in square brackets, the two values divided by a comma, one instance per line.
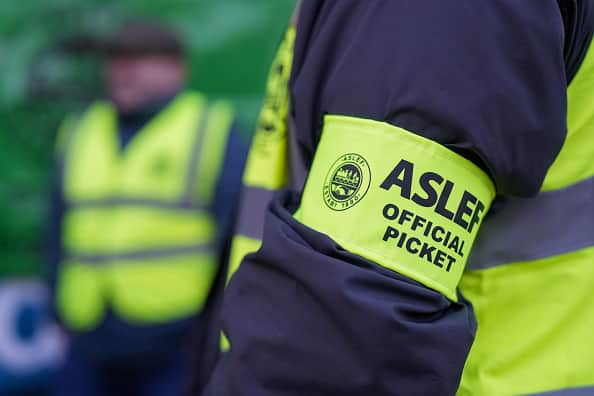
[211, 158]
[224, 344]
[162, 289]
[534, 318]
[96, 152]
[80, 296]
[242, 246]
[266, 166]
[367, 174]
[153, 287]
[535, 326]
[135, 228]
[574, 163]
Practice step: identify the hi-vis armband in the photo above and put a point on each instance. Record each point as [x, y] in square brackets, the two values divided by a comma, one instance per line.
[397, 199]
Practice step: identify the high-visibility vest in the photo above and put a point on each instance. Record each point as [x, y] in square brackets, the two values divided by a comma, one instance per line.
[137, 234]
[267, 168]
[530, 277]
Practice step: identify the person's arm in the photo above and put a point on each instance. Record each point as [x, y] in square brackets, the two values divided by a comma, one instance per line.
[322, 308]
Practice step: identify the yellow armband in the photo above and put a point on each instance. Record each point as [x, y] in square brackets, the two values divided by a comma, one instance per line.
[400, 200]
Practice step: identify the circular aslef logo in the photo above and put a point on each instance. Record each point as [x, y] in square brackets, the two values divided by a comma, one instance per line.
[347, 181]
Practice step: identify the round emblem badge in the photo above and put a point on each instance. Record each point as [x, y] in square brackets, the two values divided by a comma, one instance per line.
[347, 182]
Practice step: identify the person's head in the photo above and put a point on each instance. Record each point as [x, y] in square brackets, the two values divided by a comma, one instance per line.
[145, 62]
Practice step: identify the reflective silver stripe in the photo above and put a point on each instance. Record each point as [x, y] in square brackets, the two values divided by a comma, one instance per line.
[130, 201]
[254, 201]
[145, 254]
[189, 192]
[526, 229]
[583, 391]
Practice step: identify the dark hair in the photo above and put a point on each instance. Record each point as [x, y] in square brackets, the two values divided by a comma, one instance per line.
[143, 38]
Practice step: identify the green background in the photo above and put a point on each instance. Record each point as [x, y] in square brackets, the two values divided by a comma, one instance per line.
[231, 44]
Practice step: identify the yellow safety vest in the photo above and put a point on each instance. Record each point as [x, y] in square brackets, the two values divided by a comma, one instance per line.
[137, 235]
[531, 275]
[266, 170]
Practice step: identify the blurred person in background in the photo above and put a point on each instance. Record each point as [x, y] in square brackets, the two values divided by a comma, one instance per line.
[147, 186]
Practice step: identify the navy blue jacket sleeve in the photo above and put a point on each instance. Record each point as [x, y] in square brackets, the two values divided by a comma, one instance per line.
[486, 79]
